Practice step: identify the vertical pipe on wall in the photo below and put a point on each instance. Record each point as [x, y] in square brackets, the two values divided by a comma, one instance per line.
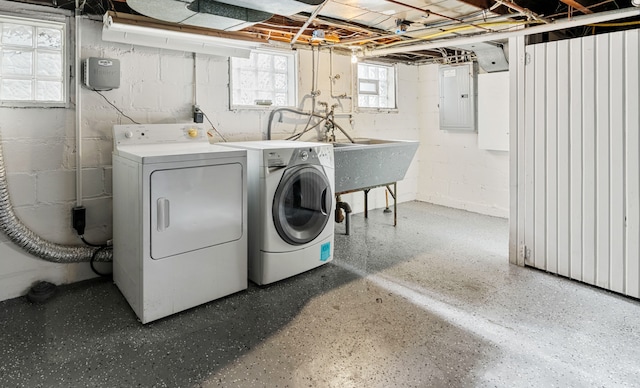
[78, 107]
[195, 81]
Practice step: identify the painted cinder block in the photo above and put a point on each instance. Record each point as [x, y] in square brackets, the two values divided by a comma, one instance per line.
[49, 221]
[56, 186]
[145, 95]
[153, 92]
[30, 156]
[176, 68]
[47, 125]
[22, 189]
[108, 180]
[92, 182]
[98, 211]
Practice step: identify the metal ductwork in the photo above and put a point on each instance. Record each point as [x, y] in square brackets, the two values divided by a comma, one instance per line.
[278, 7]
[200, 13]
[22, 236]
[491, 57]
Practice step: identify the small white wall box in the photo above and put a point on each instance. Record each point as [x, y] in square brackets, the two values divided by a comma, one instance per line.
[102, 73]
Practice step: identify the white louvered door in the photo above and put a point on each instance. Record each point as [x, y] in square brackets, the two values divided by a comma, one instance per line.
[578, 168]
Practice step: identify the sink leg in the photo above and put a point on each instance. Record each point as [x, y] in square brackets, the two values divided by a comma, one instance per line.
[366, 203]
[395, 202]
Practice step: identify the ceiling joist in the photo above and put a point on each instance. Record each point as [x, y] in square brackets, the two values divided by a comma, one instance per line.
[575, 4]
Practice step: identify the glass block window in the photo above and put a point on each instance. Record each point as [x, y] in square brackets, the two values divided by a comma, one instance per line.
[31, 61]
[266, 78]
[376, 86]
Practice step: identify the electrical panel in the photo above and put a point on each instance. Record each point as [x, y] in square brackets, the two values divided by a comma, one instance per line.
[101, 73]
[458, 98]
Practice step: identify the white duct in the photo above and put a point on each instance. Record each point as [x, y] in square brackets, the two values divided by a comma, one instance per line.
[278, 7]
[202, 13]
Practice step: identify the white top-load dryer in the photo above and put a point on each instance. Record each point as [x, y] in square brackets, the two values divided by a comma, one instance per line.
[179, 218]
[291, 188]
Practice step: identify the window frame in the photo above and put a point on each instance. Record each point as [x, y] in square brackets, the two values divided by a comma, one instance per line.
[356, 81]
[37, 19]
[292, 77]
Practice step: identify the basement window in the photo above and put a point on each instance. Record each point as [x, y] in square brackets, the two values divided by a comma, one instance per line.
[266, 78]
[32, 62]
[376, 86]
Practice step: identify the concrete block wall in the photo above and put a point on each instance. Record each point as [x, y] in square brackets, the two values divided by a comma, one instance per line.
[157, 86]
[453, 171]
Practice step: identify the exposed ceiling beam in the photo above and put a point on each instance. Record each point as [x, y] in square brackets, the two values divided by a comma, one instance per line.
[525, 11]
[426, 11]
[575, 4]
[482, 4]
[306, 24]
[499, 36]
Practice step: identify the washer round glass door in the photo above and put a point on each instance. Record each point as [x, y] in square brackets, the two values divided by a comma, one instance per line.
[301, 204]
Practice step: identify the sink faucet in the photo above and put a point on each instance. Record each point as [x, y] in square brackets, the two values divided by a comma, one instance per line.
[328, 134]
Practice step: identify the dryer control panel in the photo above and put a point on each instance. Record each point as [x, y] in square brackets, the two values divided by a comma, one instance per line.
[158, 134]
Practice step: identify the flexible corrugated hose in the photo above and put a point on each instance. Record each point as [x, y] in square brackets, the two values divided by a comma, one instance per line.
[22, 236]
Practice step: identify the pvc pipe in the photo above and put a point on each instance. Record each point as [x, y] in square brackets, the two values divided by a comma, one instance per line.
[78, 120]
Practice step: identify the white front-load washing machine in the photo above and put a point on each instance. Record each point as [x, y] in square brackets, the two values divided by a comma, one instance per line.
[290, 190]
[179, 218]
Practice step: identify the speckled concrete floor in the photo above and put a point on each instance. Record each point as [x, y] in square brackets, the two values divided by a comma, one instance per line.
[431, 303]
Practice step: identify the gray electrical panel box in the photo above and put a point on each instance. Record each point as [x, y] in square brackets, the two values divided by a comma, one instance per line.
[101, 73]
[458, 97]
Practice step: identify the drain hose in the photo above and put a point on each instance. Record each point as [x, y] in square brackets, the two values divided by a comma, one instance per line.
[22, 236]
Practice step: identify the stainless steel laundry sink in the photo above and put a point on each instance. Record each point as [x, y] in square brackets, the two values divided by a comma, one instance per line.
[369, 162]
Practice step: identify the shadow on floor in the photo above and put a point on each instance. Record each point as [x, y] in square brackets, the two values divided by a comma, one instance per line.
[432, 302]
[326, 327]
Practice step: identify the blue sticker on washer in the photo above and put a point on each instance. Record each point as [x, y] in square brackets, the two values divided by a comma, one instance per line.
[325, 251]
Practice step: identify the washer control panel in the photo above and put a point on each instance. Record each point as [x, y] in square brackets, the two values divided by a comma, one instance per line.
[325, 155]
[158, 134]
[317, 155]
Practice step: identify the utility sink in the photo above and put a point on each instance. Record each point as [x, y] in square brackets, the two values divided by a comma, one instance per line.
[367, 163]
[361, 141]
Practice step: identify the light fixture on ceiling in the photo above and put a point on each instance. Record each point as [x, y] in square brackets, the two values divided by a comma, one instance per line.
[114, 30]
[635, 3]
[354, 57]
